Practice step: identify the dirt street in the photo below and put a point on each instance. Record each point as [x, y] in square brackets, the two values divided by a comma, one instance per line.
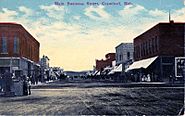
[96, 100]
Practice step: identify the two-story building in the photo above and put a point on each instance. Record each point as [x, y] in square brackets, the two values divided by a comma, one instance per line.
[19, 50]
[155, 50]
[101, 64]
[124, 54]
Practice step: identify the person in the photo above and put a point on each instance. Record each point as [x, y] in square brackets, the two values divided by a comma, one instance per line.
[25, 86]
[171, 79]
[29, 86]
[37, 79]
[148, 78]
[135, 77]
[144, 78]
[1, 83]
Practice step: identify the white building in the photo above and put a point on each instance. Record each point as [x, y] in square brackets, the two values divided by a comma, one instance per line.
[44, 63]
[124, 54]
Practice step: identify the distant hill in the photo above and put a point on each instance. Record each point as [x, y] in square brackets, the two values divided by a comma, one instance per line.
[76, 73]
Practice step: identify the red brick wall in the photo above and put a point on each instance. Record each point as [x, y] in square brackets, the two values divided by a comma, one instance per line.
[28, 45]
[101, 64]
[172, 39]
[164, 39]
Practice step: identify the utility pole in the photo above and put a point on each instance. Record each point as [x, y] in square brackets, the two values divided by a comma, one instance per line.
[169, 16]
[11, 65]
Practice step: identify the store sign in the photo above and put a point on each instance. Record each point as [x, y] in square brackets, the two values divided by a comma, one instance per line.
[179, 66]
[15, 68]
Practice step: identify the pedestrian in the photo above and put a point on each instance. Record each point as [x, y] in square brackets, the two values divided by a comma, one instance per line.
[144, 78]
[29, 86]
[37, 79]
[25, 85]
[148, 78]
[1, 83]
[171, 79]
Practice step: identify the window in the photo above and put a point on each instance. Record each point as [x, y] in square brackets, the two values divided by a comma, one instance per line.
[120, 57]
[145, 49]
[16, 45]
[128, 55]
[4, 62]
[116, 57]
[156, 44]
[141, 49]
[4, 45]
[15, 62]
[150, 46]
[153, 45]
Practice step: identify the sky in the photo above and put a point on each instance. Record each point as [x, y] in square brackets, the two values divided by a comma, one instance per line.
[73, 36]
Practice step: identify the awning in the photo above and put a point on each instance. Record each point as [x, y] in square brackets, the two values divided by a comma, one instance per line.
[112, 71]
[98, 73]
[141, 64]
[119, 68]
[95, 73]
[37, 64]
[116, 69]
[108, 68]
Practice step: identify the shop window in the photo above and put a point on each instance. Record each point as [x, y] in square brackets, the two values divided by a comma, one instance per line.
[4, 62]
[15, 62]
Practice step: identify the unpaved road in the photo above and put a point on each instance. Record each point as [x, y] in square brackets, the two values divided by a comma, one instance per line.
[96, 100]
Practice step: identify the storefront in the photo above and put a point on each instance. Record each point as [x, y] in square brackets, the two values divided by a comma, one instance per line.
[158, 69]
[18, 66]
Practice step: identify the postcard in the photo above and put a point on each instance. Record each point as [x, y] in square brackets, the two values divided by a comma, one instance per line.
[92, 57]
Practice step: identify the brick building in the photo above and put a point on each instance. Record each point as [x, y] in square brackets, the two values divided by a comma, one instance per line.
[155, 50]
[164, 39]
[101, 64]
[19, 50]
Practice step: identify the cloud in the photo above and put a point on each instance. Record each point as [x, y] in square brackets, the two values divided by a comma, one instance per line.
[97, 13]
[178, 15]
[76, 17]
[157, 13]
[54, 11]
[131, 10]
[26, 11]
[144, 18]
[7, 15]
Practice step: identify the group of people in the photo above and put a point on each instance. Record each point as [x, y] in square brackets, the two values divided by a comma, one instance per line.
[146, 78]
[7, 83]
[26, 85]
